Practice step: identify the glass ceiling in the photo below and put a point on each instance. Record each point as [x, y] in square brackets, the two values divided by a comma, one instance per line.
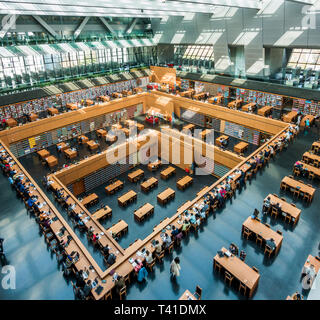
[137, 8]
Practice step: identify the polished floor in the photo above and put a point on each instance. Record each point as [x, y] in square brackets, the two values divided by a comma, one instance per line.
[38, 276]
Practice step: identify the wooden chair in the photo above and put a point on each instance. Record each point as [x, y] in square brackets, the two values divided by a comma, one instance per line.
[246, 233]
[288, 218]
[296, 192]
[160, 256]
[296, 172]
[267, 225]
[228, 277]
[243, 287]
[259, 239]
[108, 295]
[283, 186]
[123, 292]
[307, 197]
[279, 232]
[127, 278]
[311, 175]
[274, 212]
[217, 265]
[151, 265]
[170, 248]
[268, 250]
[198, 293]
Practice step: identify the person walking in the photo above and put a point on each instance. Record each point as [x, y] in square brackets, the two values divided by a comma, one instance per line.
[175, 268]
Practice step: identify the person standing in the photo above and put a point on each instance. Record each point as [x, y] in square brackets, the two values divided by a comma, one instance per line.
[175, 268]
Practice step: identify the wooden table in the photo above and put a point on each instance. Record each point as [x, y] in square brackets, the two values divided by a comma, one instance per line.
[101, 133]
[116, 95]
[111, 138]
[52, 111]
[240, 147]
[90, 200]
[118, 228]
[102, 213]
[235, 104]
[312, 169]
[33, 117]
[130, 196]
[166, 173]
[71, 106]
[144, 211]
[248, 106]
[220, 139]
[104, 98]
[63, 146]
[187, 295]
[303, 120]
[200, 95]
[310, 157]
[43, 153]
[153, 166]
[92, 145]
[149, 184]
[240, 270]
[89, 102]
[205, 132]
[11, 122]
[52, 161]
[116, 126]
[290, 117]
[216, 99]
[188, 127]
[113, 187]
[135, 175]
[286, 207]
[258, 228]
[292, 183]
[187, 93]
[69, 153]
[166, 195]
[184, 182]
[83, 139]
[265, 111]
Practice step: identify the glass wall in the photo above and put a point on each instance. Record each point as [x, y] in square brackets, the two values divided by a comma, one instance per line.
[18, 70]
[305, 59]
[193, 55]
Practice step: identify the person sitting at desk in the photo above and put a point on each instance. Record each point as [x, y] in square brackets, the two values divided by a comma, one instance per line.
[243, 255]
[142, 273]
[185, 225]
[79, 279]
[158, 247]
[174, 232]
[277, 206]
[233, 249]
[111, 259]
[85, 291]
[166, 241]
[106, 251]
[266, 205]
[148, 257]
[90, 232]
[120, 283]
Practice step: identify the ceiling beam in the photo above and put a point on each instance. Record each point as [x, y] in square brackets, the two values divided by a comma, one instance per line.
[80, 28]
[107, 25]
[131, 25]
[46, 26]
[8, 22]
[304, 2]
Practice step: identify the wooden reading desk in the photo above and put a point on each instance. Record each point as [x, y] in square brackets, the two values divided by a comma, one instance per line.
[166, 173]
[184, 182]
[144, 211]
[166, 195]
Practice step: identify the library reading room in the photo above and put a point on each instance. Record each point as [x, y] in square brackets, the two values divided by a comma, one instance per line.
[160, 150]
